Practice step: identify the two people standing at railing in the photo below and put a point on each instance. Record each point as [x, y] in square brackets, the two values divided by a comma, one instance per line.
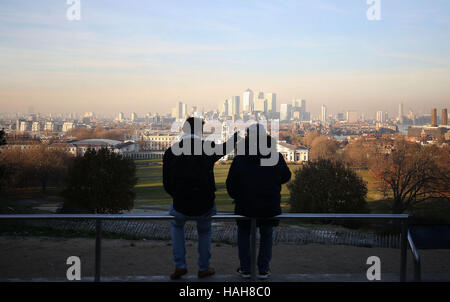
[188, 176]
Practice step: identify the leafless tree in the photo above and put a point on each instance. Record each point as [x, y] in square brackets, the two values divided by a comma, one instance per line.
[411, 174]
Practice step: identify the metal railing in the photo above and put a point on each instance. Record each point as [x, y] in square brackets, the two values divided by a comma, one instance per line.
[416, 258]
[403, 218]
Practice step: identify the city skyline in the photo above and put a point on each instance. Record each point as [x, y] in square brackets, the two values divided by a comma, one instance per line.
[228, 107]
[141, 57]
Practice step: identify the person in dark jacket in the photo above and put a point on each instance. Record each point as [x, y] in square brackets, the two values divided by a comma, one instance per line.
[188, 176]
[255, 189]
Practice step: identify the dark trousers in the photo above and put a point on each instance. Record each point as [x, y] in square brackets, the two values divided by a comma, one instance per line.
[265, 248]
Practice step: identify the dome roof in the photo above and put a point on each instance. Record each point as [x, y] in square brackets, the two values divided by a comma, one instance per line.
[97, 142]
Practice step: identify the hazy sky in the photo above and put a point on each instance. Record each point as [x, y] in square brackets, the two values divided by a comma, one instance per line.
[144, 56]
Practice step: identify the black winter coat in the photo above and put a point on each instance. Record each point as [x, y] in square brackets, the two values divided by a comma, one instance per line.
[256, 189]
[197, 207]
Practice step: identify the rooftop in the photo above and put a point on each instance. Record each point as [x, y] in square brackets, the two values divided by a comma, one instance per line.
[96, 142]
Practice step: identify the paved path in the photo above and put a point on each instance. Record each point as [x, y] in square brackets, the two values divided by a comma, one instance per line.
[234, 278]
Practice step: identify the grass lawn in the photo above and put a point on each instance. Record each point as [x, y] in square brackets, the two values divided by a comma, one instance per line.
[150, 191]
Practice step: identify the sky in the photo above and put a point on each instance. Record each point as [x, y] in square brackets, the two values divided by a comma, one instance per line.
[144, 56]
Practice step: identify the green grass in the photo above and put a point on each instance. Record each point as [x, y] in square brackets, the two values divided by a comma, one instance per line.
[373, 193]
[150, 191]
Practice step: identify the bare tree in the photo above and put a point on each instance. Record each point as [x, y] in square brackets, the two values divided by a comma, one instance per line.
[310, 136]
[39, 164]
[411, 174]
[323, 148]
[98, 132]
[47, 164]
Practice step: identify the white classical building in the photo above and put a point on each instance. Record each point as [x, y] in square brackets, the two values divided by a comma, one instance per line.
[67, 126]
[127, 148]
[292, 153]
[158, 142]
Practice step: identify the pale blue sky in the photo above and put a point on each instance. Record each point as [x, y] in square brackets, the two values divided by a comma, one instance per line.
[146, 55]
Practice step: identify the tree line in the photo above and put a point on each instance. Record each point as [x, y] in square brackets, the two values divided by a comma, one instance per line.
[100, 181]
[407, 174]
[98, 132]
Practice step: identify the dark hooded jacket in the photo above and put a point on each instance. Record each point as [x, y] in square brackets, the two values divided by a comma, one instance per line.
[256, 189]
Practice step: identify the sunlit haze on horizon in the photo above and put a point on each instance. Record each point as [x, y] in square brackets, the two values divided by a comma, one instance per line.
[144, 56]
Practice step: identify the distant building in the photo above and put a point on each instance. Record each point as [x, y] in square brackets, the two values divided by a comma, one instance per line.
[340, 117]
[36, 127]
[234, 104]
[179, 112]
[50, 126]
[260, 103]
[67, 126]
[323, 114]
[67, 147]
[300, 104]
[224, 110]
[271, 102]
[21, 144]
[434, 132]
[444, 117]
[434, 117]
[352, 116]
[127, 149]
[158, 142]
[25, 126]
[292, 153]
[400, 112]
[285, 112]
[247, 100]
[381, 116]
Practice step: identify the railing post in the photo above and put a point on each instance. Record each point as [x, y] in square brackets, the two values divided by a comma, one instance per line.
[253, 249]
[98, 248]
[417, 274]
[403, 248]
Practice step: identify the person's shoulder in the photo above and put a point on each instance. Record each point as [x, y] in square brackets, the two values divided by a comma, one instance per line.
[168, 153]
[281, 158]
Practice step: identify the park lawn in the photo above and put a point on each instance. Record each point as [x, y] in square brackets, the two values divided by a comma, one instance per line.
[373, 193]
[150, 191]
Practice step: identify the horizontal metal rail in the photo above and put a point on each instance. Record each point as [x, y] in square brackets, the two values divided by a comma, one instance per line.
[219, 216]
[99, 217]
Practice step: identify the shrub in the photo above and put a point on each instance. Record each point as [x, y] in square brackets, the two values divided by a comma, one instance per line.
[100, 182]
[327, 186]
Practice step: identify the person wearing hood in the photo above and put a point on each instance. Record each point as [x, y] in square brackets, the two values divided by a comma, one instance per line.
[255, 188]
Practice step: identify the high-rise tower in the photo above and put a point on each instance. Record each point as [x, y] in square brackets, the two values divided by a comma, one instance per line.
[434, 117]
